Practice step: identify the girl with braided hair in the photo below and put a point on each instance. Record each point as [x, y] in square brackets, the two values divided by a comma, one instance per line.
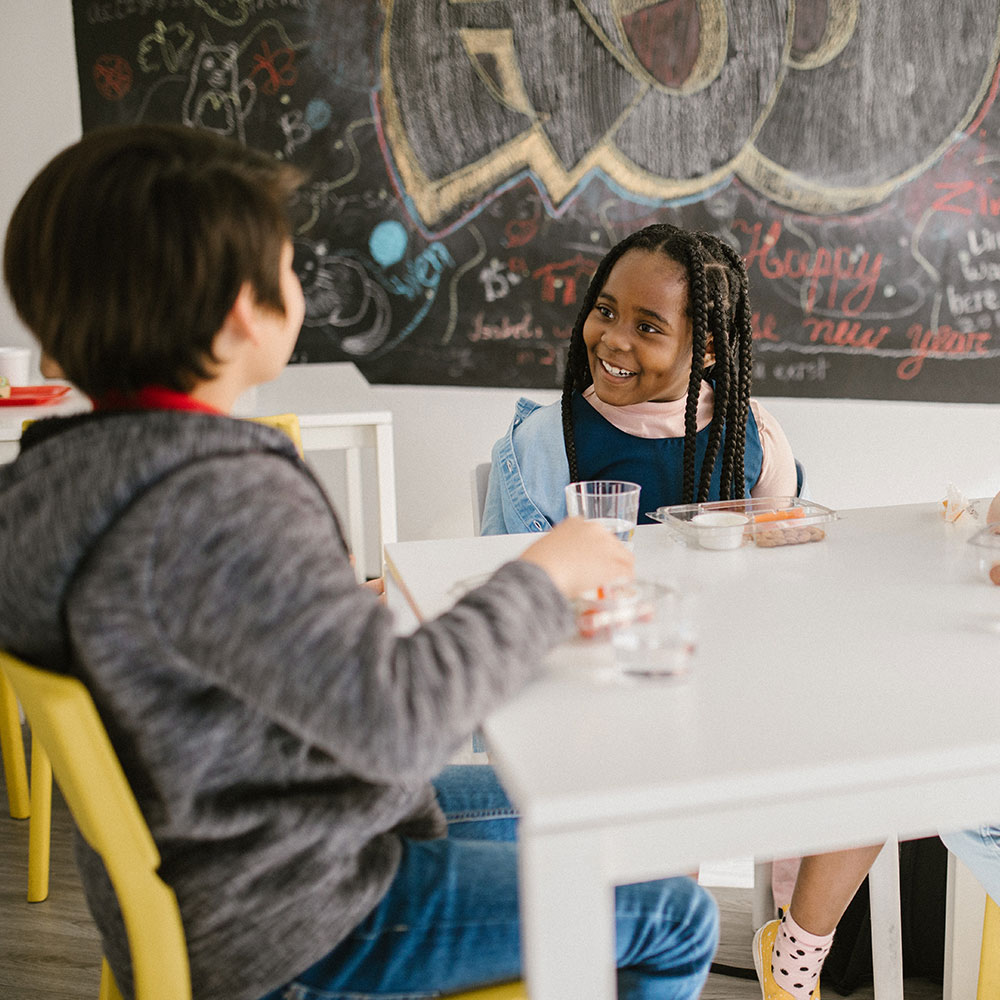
[656, 391]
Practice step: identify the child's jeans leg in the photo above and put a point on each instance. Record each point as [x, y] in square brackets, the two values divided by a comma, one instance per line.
[475, 804]
[450, 918]
[980, 850]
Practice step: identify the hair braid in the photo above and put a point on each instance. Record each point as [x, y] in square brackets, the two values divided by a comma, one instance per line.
[722, 371]
[698, 309]
[742, 338]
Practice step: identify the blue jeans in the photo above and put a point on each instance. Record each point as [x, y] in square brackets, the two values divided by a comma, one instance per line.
[980, 850]
[449, 921]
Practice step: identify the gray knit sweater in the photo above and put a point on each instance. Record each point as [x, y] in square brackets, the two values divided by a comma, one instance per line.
[278, 734]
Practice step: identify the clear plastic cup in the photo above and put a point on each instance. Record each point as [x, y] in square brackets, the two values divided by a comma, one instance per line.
[612, 502]
[650, 627]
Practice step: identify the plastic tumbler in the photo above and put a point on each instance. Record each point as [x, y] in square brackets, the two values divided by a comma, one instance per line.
[659, 639]
[611, 501]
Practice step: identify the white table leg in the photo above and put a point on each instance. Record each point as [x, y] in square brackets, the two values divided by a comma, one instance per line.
[355, 511]
[762, 907]
[386, 474]
[887, 939]
[567, 914]
[965, 903]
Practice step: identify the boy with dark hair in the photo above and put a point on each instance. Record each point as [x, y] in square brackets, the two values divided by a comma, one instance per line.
[280, 738]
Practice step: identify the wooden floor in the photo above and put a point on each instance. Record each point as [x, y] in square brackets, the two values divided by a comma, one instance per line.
[50, 950]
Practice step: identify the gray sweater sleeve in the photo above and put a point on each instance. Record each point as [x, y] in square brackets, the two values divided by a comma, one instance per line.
[246, 576]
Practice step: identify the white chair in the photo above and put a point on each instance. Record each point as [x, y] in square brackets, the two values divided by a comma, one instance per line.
[350, 433]
[480, 482]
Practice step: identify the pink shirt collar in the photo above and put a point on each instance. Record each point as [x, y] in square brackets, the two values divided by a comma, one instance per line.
[653, 420]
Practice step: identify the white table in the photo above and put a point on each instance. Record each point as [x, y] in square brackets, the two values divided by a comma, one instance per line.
[875, 653]
[12, 420]
[348, 432]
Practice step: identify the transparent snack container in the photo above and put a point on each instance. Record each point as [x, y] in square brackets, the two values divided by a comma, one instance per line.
[768, 522]
[985, 548]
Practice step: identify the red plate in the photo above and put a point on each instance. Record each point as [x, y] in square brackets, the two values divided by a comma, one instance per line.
[34, 395]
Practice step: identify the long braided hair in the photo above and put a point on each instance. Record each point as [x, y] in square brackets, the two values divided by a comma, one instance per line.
[719, 308]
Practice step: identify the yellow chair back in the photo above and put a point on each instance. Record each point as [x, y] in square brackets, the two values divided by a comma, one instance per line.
[508, 991]
[989, 956]
[63, 718]
[287, 422]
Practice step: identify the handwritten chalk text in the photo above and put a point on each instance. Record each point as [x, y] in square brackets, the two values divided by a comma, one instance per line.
[966, 198]
[852, 273]
[844, 333]
[940, 342]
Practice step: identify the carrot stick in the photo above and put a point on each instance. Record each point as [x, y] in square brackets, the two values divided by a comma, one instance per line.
[779, 515]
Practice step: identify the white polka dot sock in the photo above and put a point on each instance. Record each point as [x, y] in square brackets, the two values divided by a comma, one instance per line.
[798, 957]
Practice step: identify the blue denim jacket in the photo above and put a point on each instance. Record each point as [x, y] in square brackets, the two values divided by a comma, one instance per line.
[528, 496]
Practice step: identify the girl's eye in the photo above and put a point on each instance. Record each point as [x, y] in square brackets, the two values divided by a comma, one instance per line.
[605, 311]
[646, 328]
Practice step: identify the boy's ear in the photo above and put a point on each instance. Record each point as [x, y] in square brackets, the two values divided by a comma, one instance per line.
[239, 327]
[241, 324]
[243, 316]
[49, 367]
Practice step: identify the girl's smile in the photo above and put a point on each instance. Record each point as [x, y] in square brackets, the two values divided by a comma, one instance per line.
[638, 335]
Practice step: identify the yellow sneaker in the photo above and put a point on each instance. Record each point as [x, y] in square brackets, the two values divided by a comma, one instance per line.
[763, 946]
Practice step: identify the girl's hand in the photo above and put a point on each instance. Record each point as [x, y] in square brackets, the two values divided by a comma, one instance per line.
[580, 555]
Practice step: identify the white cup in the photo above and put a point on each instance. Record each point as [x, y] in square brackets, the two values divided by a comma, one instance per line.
[15, 364]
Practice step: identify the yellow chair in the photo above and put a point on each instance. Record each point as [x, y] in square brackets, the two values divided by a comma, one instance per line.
[287, 422]
[989, 955]
[32, 802]
[65, 722]
[508, 991]
[12, 747]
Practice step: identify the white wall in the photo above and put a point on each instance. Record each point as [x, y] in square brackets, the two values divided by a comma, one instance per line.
[855, 453]
[39, 109]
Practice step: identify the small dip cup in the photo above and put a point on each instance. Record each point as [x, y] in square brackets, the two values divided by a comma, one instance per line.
[720, 529]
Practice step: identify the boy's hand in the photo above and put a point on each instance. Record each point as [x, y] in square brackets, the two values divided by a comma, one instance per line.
[580, 555]
[993, 514]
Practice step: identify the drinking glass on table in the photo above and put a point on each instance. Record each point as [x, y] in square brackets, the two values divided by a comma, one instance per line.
[612, 502]
[650, 626]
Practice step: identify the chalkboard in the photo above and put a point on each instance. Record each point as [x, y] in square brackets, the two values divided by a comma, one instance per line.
[470, 161]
